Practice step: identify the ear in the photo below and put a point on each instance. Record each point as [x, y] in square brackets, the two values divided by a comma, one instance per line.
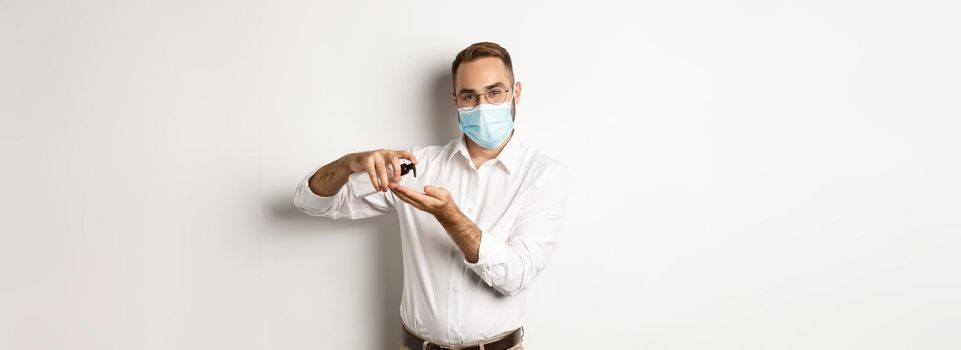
[517, 93]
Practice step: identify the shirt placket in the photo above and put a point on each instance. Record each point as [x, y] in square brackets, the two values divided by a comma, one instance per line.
[455, 300]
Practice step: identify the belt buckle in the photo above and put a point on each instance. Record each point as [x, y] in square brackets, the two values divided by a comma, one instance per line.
[427, 345]
[431, 346]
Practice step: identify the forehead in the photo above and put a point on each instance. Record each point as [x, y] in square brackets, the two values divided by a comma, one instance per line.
[481, 72]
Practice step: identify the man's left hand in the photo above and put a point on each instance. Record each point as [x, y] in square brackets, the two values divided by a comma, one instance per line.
[434, 200]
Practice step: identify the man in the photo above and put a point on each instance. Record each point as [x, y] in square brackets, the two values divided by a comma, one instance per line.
[487, 221]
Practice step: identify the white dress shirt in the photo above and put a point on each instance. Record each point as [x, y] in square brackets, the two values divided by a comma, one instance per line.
[517, 200]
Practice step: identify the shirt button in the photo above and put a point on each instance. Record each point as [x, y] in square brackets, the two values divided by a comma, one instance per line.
[469, 210]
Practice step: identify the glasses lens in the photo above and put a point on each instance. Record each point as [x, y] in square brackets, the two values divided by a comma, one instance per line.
[467, 101]
[496, 96]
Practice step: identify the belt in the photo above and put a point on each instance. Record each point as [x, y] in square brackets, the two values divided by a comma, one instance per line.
[416, 343]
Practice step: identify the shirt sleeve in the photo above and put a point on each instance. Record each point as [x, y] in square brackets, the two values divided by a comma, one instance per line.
[510, 266]
[342, 204]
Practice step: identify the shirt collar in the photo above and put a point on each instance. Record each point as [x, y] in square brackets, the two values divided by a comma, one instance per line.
[509, 157]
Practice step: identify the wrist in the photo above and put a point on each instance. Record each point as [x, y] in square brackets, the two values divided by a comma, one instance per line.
[449, 215]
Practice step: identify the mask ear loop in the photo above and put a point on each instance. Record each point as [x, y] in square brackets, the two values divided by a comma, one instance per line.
[513, 106]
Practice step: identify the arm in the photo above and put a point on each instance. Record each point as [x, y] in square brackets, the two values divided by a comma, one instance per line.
[322, 193]
[465, 234]
[327, 180]
[438, 201]
[509, 267]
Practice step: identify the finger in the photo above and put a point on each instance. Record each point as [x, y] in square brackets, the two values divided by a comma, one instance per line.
[409, 193]
[420, 198]
[371, 171]
[381, 174]
[403, 197]
[397, 193]
[395, 163]
[439, 195]
[407, 199]
[436, 192]
[409, 156]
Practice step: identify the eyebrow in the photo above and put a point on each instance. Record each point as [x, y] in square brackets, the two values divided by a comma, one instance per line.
[488, 87]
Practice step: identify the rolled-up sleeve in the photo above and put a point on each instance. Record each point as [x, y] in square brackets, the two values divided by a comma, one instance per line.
[510, 266]
[342, 204]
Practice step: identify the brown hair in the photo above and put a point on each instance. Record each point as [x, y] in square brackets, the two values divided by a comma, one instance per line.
[480, 50]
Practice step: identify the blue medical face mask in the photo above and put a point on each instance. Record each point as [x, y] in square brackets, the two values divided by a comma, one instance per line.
[488, 125]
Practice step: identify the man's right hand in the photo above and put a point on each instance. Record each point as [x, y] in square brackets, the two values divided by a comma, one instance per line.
[374, 163]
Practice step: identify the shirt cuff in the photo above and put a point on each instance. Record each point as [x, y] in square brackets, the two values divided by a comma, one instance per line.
[490, 254]
[318, 202]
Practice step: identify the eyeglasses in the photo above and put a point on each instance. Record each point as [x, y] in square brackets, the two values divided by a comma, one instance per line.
[467, 100]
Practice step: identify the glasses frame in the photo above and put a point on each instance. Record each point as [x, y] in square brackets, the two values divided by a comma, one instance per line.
[486, 97]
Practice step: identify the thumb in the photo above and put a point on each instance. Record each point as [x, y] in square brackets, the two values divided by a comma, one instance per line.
[434, 191]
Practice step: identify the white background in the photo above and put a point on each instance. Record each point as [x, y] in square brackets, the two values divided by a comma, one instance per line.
[747, 175]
